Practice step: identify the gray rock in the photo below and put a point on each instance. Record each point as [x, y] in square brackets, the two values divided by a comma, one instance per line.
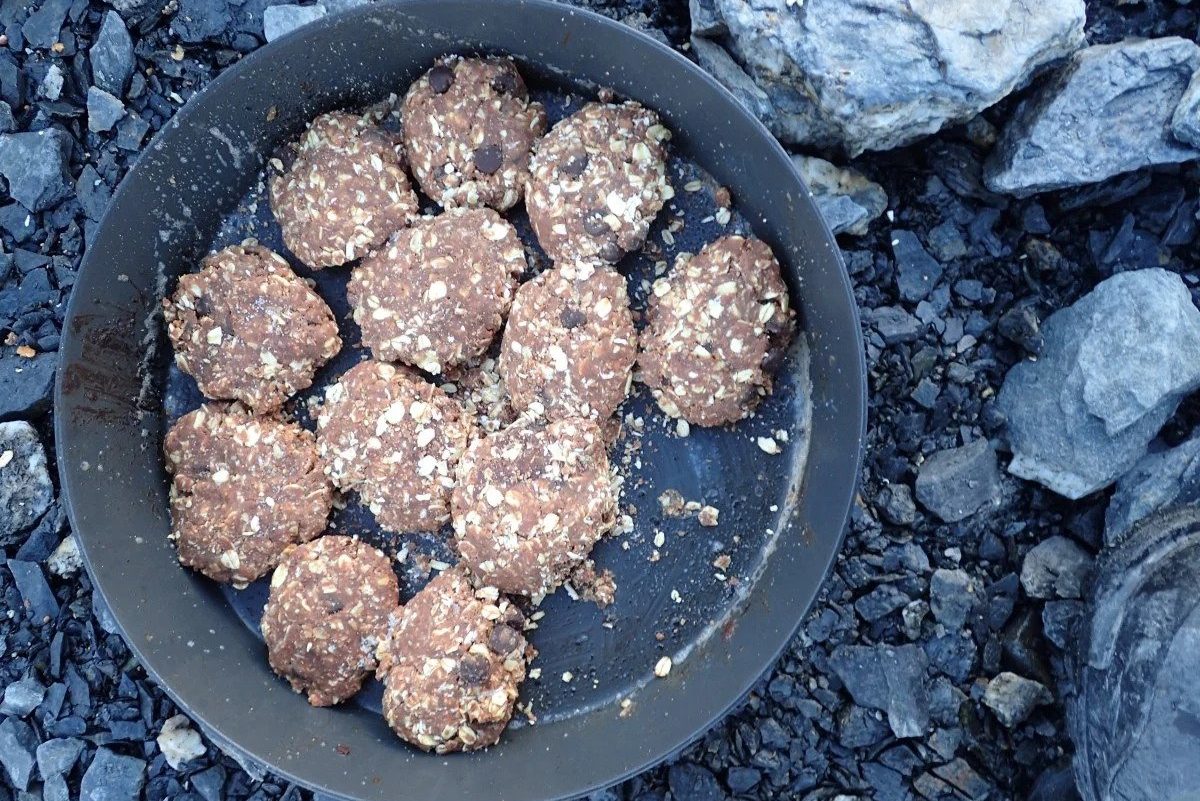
[17, 743]
[1055, 568]
[894, 324]
[1157, 481]
[25, 489]
[916, 271]
[888, 678]
[706, 21]
[952, 596]
[112, 55]
[7, 121]
[1058, 620]
[58, 756]
[209, 783]
[1108, 112]
[876, 74]
[848, 200]
[104, 110]
[895, 503]
[22, 697]
[35, 166]
[280, 20]
[55, 789]
[1112, 369]
[718, 63]
[42, 27]
[112, 777]
[1185, 121]
[104, 615]
[958, 482]
[1013, 697]
[35, 592]
[52, 84]
[25, 383]
[1134, 710]
[694, 782]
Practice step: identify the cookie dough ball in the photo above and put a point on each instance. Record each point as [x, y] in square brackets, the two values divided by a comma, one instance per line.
[392, 437]
[717, 325]
[328, 609]
[570, 343]
[451, 665]
[530, 503]
[243, 489]
[345, 192]
[247, 328]
[468, 127]
[437, 295]
[598, 180]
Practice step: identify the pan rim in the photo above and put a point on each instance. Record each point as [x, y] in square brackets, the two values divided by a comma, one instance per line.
[70, 477]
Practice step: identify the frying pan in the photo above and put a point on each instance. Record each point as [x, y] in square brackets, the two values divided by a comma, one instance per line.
[601, 714]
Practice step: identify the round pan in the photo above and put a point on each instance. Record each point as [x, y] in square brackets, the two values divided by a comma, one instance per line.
[109, 415]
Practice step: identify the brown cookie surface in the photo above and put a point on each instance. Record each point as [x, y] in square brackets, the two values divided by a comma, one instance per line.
[243, 489]
[329, 606]
[597, 181]
[247, 328]
[394, 438]
[438, 293]
[469, 126]
[451, 665]
[715, 325]
[569, 345]
[531, 501]
[344, 193]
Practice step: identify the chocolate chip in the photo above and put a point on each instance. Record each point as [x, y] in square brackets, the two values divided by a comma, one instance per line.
[611, 252]
[572, 317]
[488, 159]
[441, 78]
[504, 640]
[333, 603]
[505, 83]
[594, 223]
[575, 165]
[473, 670]
[773, 360]
[202, 306]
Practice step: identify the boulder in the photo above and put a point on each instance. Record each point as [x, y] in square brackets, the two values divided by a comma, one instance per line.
[1157, 481]
[1185, 121]
[1112, 369]
[1108, 112]
[877, 74]
[1133, 709]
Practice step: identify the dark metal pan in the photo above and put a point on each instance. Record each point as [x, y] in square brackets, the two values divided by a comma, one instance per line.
[782, 516]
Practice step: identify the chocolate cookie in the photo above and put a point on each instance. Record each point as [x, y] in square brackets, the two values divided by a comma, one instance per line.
[716, 326]
[570, 344]
[438, 293]
[247, 328]
[451, 665]
[597, 181]
[243, 489]
[344, 193]
[468, 127]
[329, 606]
[530, 503]
[387, 434]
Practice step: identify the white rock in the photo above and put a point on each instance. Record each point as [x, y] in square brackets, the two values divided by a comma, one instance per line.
[179, 742]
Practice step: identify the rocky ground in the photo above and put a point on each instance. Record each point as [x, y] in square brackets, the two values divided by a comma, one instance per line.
[932, 666]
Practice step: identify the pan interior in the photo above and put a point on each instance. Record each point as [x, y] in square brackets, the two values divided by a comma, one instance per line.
[669, 597]
[194, 187]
